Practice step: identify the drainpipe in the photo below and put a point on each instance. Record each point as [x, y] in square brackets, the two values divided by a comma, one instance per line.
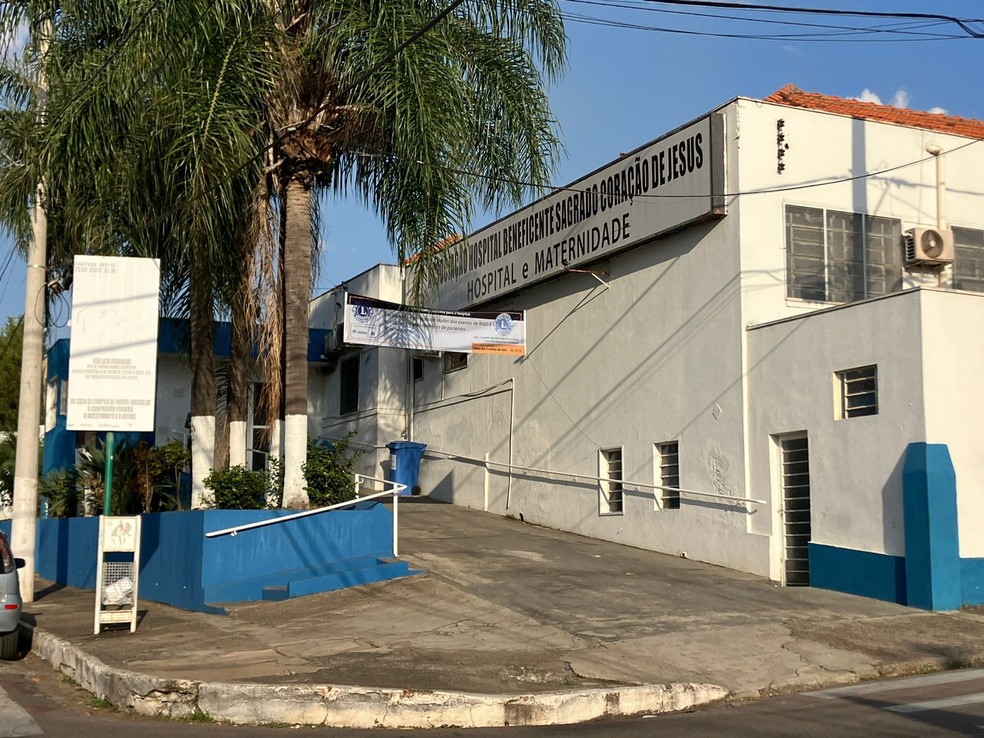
[409, 355]
[937, 152]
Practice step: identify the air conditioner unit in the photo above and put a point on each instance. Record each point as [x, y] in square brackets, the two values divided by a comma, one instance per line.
[427, 354]
[334, 345]
[928, 246]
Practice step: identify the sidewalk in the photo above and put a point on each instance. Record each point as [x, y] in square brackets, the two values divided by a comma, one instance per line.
[509, 624]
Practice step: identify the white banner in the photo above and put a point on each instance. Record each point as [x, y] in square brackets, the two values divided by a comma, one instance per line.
[112, 376]
[661, 187]
[373, 322]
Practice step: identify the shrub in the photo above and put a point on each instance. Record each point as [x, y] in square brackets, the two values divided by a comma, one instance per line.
[330, 471]
[237, 488]
[60, 489]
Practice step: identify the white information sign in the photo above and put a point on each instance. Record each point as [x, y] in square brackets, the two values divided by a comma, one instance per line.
[117, 575]
[663, 186]
[373, 322]
[112, 377]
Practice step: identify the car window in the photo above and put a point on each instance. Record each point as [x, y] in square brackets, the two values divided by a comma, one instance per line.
[6, 557]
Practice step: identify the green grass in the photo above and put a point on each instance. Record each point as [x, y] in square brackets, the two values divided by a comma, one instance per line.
[99, 703]
[199, 716]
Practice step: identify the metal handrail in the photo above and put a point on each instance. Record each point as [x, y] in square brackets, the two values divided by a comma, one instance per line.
[394, 492]
[626, 485]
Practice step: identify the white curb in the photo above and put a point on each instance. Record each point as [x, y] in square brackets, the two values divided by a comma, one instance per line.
[358, 707]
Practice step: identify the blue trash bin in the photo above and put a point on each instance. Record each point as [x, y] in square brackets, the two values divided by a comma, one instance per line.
[405, 464]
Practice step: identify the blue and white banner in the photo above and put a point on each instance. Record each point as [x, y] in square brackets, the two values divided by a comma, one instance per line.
[372, 322]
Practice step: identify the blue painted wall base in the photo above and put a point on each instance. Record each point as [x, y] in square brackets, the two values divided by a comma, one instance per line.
[180, 567]
[879, 576]
[931, 575]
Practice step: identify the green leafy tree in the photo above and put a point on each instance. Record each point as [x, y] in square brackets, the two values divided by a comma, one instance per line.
[422, 109]
[11, 342]
[8, 454]
[147, 141]
[237, 488]
[61, 490]
[166, 121]
[330, 471]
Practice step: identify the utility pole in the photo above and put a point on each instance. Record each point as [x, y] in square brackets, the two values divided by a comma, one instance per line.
[25, 513]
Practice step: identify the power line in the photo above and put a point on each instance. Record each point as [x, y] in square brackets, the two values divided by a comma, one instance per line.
[911, 30]
[10, 338]
[656, 196]
[959, 22]
[799, 38]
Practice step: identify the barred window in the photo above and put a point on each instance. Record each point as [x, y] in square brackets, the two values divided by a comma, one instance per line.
[858, 392]
[968, 259]
[610, 468]
[669, 474]
[837, 256]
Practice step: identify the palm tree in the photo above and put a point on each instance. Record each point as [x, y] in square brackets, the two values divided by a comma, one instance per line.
[149, 143]
[419, 125]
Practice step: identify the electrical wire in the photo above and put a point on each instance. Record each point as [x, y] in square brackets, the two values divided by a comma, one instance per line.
[10, 338]
[911, 30]
[552, 189]
[963, 24]
[799, 38]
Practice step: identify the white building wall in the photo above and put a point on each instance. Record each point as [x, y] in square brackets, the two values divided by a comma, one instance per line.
[856, 463]
[684, 346]
[381, 416]
[953, 385]
[824, 167]
[173, 398]
[656, 357]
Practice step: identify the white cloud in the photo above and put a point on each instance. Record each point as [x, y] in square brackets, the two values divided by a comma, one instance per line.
[937, 111]
[793, 50]
[901, 99]
[868, 96]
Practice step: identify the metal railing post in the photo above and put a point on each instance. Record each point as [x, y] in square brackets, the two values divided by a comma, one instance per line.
[396, 527]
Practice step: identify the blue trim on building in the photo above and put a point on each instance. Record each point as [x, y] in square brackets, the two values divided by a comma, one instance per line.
[59, 442]
[875, 575]
[972, 581]
[932, 546]
[931, 575]
[172, 338]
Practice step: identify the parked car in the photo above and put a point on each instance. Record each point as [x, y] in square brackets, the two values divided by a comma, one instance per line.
[10, 599]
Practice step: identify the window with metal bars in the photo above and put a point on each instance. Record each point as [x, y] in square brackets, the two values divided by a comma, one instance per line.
[968, 259]
[668, 455]
[454, 361]
[610, 468]
[841, 257]
[348, 385]
[858, 392]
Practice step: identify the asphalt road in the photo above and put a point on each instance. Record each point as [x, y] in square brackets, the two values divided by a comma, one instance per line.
[37, 701]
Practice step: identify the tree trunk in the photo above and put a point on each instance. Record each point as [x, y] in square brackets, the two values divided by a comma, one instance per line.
[297, 281]
[202, 389]
[240, 363]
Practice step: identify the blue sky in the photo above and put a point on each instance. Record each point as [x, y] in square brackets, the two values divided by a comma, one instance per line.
[624, 87]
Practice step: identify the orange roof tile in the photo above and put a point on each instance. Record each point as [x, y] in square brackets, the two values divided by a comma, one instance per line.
[794, 97]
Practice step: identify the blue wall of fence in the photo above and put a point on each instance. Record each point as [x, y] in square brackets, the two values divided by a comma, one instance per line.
[299, 545]
[931, 575]
[178, 564]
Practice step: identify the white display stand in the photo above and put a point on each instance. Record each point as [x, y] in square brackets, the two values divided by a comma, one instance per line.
[116, 581]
